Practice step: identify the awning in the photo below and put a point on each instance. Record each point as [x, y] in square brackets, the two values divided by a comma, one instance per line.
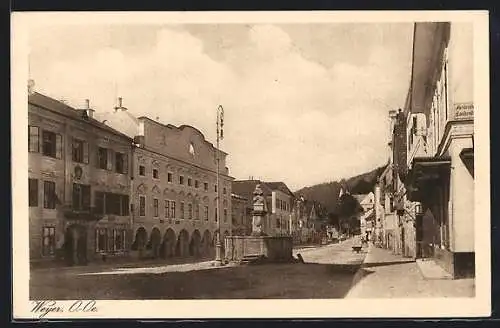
[425, 172]
[467, 156]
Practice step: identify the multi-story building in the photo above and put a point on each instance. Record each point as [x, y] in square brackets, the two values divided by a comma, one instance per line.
[241, 216]
[367, 215]
[79, 184]
[282, 199]
[174, 189]
[279, 203]
[388, 226]
[436, 165]
[386, 230]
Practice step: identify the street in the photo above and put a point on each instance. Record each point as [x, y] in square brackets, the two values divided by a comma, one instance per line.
[328, 272]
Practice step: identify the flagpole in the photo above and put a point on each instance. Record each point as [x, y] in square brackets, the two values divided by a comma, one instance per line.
[218, 246]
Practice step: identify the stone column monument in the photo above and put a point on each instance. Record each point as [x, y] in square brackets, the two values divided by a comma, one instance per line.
[258, 213]
[259, 246]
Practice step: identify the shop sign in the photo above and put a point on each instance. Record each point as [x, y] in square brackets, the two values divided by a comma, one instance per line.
[464, 111]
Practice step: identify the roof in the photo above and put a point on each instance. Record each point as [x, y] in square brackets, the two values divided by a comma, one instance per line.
[121, 120]
[51, 104]
[280, 186]
[245, 188]
[181, 128]
[360, 197]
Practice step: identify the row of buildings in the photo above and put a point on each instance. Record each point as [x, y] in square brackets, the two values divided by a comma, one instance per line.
[424, 199]
[118, 186]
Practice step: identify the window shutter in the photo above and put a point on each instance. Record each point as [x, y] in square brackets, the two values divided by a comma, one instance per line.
[59, 146]
[125, 163]
[86, 152]
[110, 160]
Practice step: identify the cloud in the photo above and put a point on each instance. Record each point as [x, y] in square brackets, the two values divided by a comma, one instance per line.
[287, 117]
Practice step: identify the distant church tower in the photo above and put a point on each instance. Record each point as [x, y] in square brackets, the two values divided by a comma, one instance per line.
[343, 188]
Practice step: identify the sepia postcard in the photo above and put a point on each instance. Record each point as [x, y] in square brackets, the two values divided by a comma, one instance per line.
[250, 164]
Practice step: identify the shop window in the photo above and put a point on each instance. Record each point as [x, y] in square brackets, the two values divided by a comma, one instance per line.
[101, 240]
[119, 237]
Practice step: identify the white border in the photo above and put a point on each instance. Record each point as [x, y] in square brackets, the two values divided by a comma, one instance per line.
[429, 307]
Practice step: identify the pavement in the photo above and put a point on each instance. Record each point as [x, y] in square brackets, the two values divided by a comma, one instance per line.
[327, 273]
[340, 254]
[385, 275]
[432, 270]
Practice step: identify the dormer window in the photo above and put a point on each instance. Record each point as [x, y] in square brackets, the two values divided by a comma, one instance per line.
[191, 149]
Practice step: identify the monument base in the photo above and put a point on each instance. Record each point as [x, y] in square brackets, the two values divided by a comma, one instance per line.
[271, 249]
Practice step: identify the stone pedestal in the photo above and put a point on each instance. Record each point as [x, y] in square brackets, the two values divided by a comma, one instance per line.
[272, 249]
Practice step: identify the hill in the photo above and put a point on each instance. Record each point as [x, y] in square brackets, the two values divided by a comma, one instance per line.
[327, 193]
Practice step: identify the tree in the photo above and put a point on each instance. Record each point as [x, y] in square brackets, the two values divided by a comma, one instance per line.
[349, 208]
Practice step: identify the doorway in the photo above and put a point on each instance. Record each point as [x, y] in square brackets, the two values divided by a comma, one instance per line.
[76, 245]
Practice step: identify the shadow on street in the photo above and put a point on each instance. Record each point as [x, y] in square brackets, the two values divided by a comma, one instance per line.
[268, 281]
[378, 264]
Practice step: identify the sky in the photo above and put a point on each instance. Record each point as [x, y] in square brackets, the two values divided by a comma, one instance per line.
[303, 103]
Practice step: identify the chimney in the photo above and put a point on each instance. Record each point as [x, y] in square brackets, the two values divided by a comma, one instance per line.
[31, 86]
[120, 105]
[90, 111]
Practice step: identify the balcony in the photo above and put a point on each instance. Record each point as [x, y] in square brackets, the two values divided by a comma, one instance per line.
[89, 214]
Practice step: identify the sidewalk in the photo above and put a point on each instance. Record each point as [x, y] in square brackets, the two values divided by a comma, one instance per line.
[384, 275]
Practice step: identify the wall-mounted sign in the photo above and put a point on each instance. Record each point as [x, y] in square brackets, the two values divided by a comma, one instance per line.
[464, 111]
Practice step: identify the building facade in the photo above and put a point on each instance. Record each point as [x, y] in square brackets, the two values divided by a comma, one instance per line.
[279, 205]
[241, 216]
[366, 217]
[174, 189]
[281, 201]
[386, 232]
[79, 185]
[432, 189]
